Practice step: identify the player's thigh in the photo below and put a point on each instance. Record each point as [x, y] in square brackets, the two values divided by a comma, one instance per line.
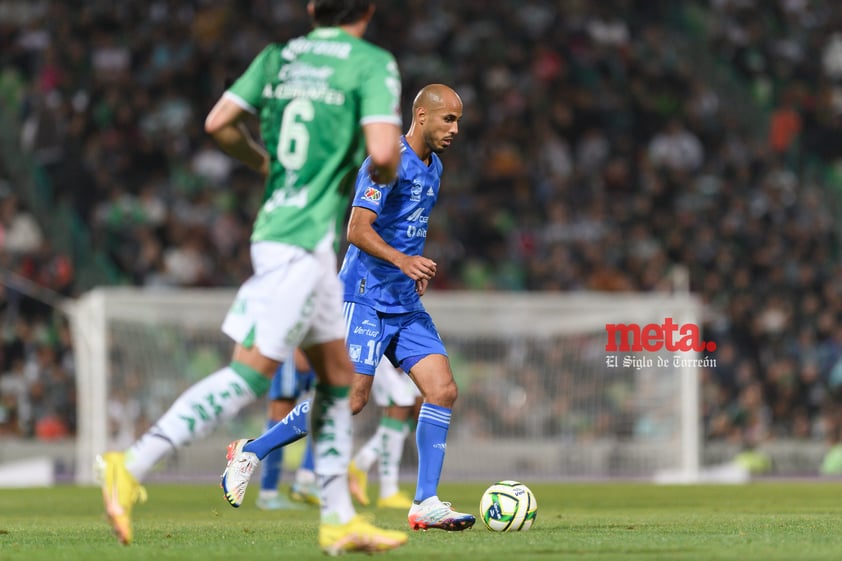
[274, 308]
[419, 350]
[434, 378]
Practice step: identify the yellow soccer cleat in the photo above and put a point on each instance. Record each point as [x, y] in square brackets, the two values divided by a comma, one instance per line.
[397, 500]
[307, 493]
[120, 491]
[358, 484]
[358, 535]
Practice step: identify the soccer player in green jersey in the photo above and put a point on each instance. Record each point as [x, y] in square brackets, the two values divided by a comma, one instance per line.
[323, 101]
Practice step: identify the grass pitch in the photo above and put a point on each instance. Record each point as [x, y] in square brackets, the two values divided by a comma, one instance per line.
[760, 521]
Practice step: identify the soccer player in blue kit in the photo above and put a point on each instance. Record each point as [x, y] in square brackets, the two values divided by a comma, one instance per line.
[385, 275]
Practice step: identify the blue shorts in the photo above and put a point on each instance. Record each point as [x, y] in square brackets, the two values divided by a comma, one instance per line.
[403, 338]
[289, 383]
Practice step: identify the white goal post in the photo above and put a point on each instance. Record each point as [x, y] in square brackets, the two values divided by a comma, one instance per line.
[540, 397]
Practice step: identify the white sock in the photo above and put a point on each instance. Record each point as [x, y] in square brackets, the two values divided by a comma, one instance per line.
[194, 415]
[304, 476]
[368, 454]
[392, 439]
[330, 429]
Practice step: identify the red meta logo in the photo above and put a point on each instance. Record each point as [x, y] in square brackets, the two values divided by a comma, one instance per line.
[654, 337]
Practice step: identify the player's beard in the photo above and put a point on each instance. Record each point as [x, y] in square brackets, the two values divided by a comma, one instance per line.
[438, 145]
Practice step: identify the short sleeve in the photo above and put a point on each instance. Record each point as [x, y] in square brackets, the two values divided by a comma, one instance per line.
[247, 91]
[367, 193]
[380, 92]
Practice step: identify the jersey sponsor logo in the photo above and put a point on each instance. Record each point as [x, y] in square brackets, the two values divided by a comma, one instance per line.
[369, 323]
[314, 92]
[286, 198]
[359, 330]
[303, 45]
[415, 232]
[372, 194]
[415, 192]
[305, 72]
[355, 352]
[416, 214]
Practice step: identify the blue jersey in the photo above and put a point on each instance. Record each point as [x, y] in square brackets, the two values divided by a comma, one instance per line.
[403, 209]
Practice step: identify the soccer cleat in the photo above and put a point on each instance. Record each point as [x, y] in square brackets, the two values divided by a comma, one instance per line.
[358, 535]
[277, 502]
[235, 478]
[305, 493]
[120, 491]
[397, 500]
[433, 513]
[358, 484]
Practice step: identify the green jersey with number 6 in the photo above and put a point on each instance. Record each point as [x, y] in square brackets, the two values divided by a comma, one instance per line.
[313, 94]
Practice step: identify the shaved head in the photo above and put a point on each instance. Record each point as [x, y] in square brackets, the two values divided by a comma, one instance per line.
[434, 96]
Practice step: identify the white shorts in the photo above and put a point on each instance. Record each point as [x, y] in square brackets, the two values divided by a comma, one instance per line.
[293, 299]
[392, 387]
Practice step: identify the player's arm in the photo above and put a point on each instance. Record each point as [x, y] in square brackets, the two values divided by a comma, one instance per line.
[225, 124]
[225, 121]
[381, 117]
[362, 234]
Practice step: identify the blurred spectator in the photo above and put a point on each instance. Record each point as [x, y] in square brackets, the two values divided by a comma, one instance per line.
[19, 231]
[676, 149]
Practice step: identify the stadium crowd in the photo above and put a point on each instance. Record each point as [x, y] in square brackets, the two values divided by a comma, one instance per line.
[596, 156]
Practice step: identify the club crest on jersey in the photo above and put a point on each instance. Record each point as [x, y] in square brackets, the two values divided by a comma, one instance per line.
[415, 192]
[355, 352]
[372, 194]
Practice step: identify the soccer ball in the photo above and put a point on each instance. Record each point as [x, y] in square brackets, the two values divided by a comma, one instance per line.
[508, 506]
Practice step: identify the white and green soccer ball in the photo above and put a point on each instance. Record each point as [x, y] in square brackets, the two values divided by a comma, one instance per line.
[508, 506]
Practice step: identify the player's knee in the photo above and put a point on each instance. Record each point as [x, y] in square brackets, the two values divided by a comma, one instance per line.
[444, 395]
[451, 393]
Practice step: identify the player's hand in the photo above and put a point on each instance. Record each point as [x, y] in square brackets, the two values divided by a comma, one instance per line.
[421, 286]
[418, 267]
[377, 177]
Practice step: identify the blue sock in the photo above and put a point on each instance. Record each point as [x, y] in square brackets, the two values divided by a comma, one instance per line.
[431, 438]
[270, 470]
[291, 428]
[307, 461]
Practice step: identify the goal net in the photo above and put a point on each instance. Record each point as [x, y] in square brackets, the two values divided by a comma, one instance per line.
[540, 394]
